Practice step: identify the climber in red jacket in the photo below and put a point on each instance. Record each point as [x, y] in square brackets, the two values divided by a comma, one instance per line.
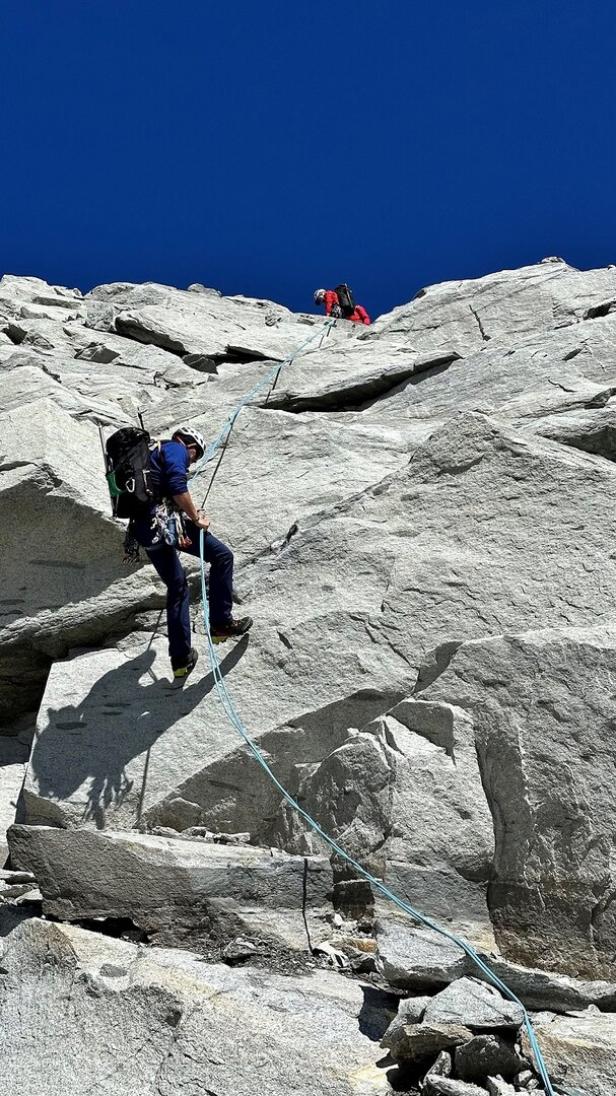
[339, 303]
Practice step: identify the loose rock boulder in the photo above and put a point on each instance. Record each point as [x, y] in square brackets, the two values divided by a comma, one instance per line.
[175, 890]
[485, 1056]
[480, 1006]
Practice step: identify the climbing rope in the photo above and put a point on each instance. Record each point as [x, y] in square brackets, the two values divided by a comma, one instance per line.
[236, 721]
[270, 378]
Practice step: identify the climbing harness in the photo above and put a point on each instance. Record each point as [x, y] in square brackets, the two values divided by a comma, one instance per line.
[235, 719]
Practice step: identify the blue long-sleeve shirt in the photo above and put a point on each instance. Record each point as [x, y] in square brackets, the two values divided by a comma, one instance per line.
[169, 467]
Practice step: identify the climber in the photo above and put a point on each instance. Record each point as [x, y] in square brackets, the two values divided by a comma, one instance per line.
[165, 528]
[339, 303]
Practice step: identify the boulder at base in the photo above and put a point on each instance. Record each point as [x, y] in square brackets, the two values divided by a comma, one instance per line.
[152, 1022]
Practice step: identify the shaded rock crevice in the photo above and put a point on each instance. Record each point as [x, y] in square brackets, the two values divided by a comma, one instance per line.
[361, 394]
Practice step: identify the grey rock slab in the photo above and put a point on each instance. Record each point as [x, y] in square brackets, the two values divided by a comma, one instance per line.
[28, 377]
[519, 379]
[405, 797]
[152, 1022]
[26, 383]
[462, 542]
[176, 890]
[121, 387]
[345, 374]
[281, 471]
[144, 294]
[479, 1006]
[69, 587]
[48, 336]
[466, 315]
[580, 1051]
[14, 288]
[542, 706]
[117, 744]
[411, 958]
[469, 525]
[486, 1055]
[107, 348]
[50, 310]
[548, 989]
[592, 430]
[189, 323]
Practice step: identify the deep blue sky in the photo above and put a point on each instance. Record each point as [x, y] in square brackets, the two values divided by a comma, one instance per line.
[272, 147]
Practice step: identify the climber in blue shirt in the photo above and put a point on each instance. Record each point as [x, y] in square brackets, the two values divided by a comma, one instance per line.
[175, 522]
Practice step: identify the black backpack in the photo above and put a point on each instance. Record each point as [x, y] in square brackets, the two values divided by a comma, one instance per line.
[345, 300]
[127, 456]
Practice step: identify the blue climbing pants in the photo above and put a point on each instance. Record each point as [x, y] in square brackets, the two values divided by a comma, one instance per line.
[166, 562]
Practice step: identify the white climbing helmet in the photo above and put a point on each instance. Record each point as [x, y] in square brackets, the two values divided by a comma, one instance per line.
[319, 296]
[191, 437]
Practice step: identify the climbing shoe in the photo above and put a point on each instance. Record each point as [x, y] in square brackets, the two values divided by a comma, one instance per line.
[180, 672]
[230, 628]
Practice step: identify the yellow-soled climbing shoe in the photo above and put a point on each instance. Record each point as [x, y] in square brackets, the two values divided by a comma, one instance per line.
[180, 672]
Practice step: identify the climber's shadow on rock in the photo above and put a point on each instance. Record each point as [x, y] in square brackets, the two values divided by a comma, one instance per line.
[103, 744]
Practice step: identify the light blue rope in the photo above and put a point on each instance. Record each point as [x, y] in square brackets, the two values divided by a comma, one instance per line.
[236, 721]
[268, 378]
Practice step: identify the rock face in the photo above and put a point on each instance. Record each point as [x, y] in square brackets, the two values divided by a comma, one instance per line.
[405, 796]
[177, 1023]
[69, 587]
[423, 519]
[542, 708]
[503, 306]
[175, 890]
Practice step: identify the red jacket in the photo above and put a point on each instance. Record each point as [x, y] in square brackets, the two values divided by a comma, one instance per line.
[359, 315]
[331, 298]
